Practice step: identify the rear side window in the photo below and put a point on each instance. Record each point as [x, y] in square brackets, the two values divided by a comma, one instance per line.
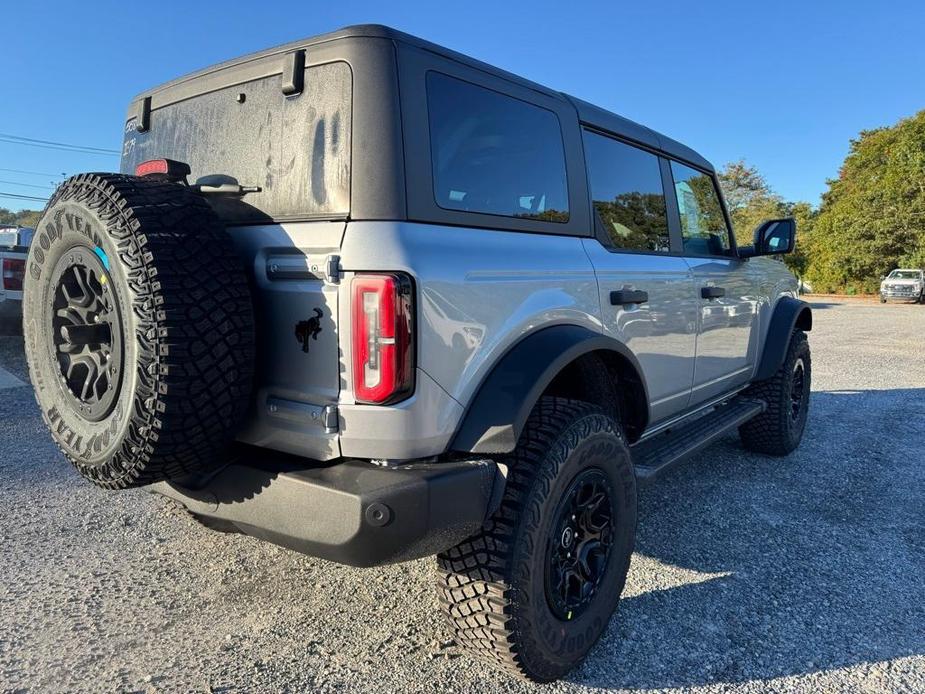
[703, 226]
[629, 199]
[494, 154]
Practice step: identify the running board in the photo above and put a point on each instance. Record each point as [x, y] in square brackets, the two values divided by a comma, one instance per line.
[655, 455]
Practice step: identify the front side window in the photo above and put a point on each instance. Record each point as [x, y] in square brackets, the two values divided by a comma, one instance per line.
[629, 200]
[494, 154]
[703, 226]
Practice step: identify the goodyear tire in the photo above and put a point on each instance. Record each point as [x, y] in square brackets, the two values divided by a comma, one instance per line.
[534, 591]
[138, 326]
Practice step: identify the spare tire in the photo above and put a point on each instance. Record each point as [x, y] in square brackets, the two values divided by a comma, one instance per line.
[139, 329]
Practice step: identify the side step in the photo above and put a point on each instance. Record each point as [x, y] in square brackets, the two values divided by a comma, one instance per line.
[654, 455]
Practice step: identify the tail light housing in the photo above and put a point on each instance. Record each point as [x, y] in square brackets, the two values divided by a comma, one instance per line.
[14, 271]
[163, 169]
[383, 337]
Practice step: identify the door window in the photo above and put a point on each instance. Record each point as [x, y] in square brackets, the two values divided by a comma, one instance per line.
[629, 200]
[703, 225]
[495, 154]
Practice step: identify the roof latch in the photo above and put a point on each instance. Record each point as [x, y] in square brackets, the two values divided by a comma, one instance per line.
[143, 114]
[293, 72]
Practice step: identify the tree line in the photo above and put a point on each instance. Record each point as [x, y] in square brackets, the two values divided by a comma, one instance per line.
[23, 218]
[870, 220]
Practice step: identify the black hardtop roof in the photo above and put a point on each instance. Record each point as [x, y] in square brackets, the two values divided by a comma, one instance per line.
[588, 113]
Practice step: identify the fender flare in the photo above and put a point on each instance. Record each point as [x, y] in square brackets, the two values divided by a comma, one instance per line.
[497, 413]
[789, 314]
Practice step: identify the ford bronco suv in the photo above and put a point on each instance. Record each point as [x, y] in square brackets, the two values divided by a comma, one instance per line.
[373, 300]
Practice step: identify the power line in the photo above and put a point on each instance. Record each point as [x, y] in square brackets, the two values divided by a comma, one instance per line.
[34, 173]
[27, 185]
[17, 196]
[49, 144]
[60, 149]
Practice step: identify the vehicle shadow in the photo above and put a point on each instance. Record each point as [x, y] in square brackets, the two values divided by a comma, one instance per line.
[750, 567]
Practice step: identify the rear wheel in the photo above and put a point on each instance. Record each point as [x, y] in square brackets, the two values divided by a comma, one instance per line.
[779, 429]
[138, 327]
[535, 590]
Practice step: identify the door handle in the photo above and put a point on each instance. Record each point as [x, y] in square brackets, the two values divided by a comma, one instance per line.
[712, 292]
[624, 297]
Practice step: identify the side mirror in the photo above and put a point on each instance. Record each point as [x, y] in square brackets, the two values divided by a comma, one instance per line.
[773, 237]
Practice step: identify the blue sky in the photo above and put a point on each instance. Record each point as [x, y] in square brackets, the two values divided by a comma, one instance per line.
[784, 85]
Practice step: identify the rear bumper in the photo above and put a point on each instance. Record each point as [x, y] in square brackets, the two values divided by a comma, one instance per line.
[352, 512]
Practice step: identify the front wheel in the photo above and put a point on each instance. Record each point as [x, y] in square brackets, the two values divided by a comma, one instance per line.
[535, 589]
[779, 429]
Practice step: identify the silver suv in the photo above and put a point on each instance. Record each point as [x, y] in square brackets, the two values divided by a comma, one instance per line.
[373, 300]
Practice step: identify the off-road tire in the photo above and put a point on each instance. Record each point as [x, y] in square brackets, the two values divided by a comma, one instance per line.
[178, 297]
[492, 586]
[777, 431]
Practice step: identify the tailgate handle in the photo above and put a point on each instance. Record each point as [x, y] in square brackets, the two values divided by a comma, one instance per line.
[625, 297]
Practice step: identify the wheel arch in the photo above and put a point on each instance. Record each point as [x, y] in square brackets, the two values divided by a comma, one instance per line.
[562, 360]
[789, 314]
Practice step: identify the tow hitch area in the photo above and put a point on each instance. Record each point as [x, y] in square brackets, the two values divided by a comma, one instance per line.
[352, 512]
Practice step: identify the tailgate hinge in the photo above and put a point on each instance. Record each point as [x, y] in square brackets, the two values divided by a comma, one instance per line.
[329, 419]
[332, 269]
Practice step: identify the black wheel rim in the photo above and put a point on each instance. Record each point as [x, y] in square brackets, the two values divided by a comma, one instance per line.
[797, 386]
[86, 332]
[579, 544]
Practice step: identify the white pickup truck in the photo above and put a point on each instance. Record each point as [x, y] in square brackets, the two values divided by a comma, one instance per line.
[14, 245]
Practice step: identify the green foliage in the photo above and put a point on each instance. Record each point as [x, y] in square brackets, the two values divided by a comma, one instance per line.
[872, 218]
[805, 217]
[23, 218]
[751, 200]
[636, 220]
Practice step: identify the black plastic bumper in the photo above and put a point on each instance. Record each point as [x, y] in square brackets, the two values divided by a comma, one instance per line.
[352, 512]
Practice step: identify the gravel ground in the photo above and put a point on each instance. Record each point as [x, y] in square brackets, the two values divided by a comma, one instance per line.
[751, 573]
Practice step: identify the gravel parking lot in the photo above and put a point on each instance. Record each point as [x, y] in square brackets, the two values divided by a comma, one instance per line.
[751, 573]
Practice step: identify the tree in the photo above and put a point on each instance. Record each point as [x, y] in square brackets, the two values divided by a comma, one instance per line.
[750, 201]
[749, 198]
[805, 217]
[872, 217]
[25, 218]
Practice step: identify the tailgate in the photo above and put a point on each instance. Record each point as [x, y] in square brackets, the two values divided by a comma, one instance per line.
[298, 358]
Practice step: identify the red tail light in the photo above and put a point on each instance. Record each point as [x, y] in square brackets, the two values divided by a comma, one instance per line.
[383, 338]
[14, 270]
[164, 169]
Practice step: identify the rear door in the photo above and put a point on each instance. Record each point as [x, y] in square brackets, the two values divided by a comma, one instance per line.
[724, 287]
[647, 293]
